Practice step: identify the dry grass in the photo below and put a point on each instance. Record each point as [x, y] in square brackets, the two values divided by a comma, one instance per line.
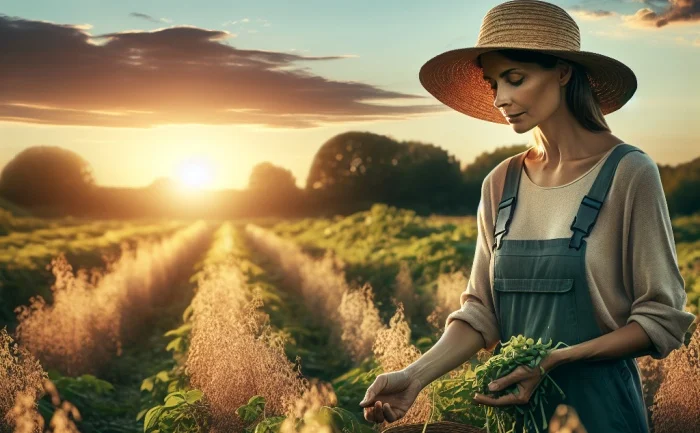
[307, 409]
[394, 351]
[234, 354]
[94, 313]
[27, 419]
[351, 314]
[676, 406]
[405, 291]
[449, 289]
[360, 321]
[652, 371]
[24, 381]
[20, 373]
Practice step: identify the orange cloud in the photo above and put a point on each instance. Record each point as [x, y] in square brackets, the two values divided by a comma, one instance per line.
[59, 74]
[678, 11]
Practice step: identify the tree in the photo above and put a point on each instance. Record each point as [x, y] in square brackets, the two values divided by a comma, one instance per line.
[268, 177]
[355, 169]
[273, 190]
[47, 176]
[354, 166]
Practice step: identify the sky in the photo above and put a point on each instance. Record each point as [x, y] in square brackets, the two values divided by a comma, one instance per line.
[206, 90]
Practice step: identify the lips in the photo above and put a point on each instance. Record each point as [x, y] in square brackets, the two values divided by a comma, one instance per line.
[513, 116]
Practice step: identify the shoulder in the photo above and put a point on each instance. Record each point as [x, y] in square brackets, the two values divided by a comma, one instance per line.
[492, 187]
[496, 178]
[636, 170]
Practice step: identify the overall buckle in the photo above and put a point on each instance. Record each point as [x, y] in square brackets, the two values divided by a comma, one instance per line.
[584, 220]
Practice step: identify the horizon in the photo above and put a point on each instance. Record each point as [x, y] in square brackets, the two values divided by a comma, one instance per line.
[166, 128]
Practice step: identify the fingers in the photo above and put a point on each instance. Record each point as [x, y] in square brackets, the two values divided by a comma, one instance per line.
[378, 412]
[504, 400]
[504, 382]
[389, 413]
[374, 413]
[373, 390]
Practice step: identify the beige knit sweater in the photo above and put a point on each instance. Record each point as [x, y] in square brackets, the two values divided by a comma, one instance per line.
[631, 264]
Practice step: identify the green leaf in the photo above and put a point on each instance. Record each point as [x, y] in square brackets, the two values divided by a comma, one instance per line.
[174, 345]
[163, 376]
[151, 418]
[147, 384]
[193, 396]
[141, 414]
[174, 399]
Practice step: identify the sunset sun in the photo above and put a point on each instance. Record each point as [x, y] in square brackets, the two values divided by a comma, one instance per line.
[195, 174]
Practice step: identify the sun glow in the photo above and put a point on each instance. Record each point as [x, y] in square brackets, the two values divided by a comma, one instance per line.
[195, 173]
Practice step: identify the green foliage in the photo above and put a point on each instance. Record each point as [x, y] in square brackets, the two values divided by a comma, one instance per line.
[373, 243]
[681, 185]
[25, 258]
[350, 387]
[181, 411]
[100, 408]
[518, 351]
[339, 419]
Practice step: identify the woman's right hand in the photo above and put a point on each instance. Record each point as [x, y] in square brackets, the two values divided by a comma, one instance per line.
[390, 396]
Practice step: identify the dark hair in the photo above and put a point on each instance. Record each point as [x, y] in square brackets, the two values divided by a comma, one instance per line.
[580, 99]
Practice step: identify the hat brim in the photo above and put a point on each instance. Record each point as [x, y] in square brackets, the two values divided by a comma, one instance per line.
[454, 78]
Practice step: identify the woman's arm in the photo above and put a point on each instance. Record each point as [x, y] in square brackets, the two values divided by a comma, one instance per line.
[474, 326]
[630, 341]
[459, 343]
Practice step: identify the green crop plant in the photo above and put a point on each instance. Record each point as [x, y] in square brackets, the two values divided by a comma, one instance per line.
[518, 351]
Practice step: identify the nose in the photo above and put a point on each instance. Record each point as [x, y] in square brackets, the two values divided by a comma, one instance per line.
[501, 98]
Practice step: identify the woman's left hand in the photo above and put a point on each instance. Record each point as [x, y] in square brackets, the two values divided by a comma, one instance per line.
[527, 380]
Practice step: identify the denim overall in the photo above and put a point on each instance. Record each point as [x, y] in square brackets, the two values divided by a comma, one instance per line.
[540, 291]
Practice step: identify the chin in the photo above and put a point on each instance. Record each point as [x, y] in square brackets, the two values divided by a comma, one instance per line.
[521, 128]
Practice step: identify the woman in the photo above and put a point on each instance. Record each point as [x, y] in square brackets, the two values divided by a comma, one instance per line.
[612, 293]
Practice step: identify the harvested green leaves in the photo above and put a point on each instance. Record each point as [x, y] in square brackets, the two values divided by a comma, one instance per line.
[514, 353]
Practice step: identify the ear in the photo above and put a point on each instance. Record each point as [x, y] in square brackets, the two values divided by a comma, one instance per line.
[565, 70]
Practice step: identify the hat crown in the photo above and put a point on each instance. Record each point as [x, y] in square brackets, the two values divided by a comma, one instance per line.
[529, 24]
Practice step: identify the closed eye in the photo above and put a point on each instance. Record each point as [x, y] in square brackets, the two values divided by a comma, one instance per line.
[517, 83]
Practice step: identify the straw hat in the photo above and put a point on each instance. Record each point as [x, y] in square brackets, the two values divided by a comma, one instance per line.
[454, 78]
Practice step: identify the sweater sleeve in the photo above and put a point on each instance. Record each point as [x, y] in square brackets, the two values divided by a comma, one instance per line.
[477, 301]
[652, 266]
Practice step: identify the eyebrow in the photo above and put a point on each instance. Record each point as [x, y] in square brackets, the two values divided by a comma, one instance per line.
[502, 74]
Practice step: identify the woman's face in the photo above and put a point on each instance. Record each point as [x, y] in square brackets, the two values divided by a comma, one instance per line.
[524, 88]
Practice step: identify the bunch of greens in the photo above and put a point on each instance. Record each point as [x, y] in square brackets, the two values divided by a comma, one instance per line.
[516, 352]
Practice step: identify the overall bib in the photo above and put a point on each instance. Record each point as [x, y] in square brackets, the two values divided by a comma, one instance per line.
[540, 291]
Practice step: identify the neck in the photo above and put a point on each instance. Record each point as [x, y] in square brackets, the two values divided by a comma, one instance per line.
[562, 139]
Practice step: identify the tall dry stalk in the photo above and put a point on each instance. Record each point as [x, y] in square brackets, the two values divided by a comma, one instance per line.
[234, 354]
[93, 314]
[360, 321]
[20, 373]
[676, 405]
[26, 419]
[308, 408]
[323, 286]
[405, 291]
[394, 351]
[449, 288]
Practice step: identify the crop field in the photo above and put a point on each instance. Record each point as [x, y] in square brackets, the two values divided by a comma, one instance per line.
[254, 325]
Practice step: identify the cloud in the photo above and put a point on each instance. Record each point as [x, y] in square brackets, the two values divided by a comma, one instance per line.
[674, 12]
[149, 18]
[231, 23]
[587, 14]
[59, 74]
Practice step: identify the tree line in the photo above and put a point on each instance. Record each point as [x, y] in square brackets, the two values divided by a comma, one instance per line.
[349, 173]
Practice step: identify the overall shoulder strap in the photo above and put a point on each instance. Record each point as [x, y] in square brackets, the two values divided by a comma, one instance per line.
[592, 203]
[506, 207]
